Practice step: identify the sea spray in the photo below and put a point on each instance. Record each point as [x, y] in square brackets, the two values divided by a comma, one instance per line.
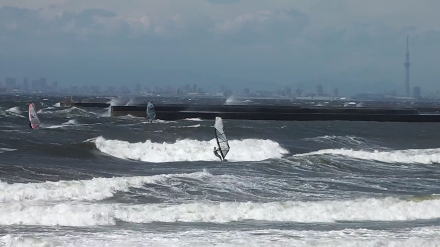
[190, 150]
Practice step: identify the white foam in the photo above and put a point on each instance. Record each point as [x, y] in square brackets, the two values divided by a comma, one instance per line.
[232, 100]
[71, 122]
[65, 214]
[350, 140]
[2, 150]
[387, 209]
[15, 110]
[71, 110]
[193, 119]
[423, 237]
[189, 126]
[410, 156]
[93, 189]
[88, 214]
[190, 150]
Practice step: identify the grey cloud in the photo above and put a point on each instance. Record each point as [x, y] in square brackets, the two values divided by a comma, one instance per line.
[223, 1]
[263, 26]
[258, 44]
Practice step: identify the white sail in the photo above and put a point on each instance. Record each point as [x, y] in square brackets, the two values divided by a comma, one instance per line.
[222, 141]
[151, 112]
[33, 118]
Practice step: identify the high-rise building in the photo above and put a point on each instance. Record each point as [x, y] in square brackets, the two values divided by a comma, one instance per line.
[336, 92]
[25, 85]
[319, 90]
[417, 92]
[11, 83]
[407, 69]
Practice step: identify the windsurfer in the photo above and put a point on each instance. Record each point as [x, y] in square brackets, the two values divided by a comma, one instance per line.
[216, 153]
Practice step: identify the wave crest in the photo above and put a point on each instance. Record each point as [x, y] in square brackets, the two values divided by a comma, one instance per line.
[409, 156]
[93, 189]
[190, 150]
[88, 214]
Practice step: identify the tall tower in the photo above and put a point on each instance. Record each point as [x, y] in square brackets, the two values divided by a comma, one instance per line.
[407, 69]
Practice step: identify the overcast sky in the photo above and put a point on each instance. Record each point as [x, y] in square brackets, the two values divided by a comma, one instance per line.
[355, 45]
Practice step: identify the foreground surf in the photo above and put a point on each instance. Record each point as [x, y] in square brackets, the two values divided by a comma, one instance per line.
[89, 214]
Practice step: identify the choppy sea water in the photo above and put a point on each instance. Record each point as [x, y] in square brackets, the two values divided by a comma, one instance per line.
[87, 179]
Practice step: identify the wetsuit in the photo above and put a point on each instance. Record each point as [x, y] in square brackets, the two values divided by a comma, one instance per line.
[216, 150]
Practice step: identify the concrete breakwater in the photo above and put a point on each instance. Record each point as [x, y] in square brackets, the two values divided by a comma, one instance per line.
[285, 113]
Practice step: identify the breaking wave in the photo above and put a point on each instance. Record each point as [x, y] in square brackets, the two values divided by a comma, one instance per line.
[88, 214]
[2, 150]
[193, 119]
[93, 189]
[67, 111]
[71, 122]
[14, 110]
[345, 140]
[188, 126]
[419, 236]
[409, 156]
[190, 150]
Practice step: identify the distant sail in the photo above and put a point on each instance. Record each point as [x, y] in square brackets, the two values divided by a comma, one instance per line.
[33, 118]
[222, 141]
[151, 112]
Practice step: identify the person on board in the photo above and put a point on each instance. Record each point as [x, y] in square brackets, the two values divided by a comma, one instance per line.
[216, 153]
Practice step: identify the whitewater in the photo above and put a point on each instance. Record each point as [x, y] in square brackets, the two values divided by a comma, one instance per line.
[190, 150]
[88, 179]
[88, 214]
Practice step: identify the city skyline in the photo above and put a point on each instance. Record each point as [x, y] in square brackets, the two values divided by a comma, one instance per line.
[349, 45]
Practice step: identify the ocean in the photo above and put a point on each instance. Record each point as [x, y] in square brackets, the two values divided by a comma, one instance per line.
[87, 179]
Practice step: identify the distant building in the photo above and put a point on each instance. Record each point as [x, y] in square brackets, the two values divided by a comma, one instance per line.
[11, 83]
[336, 92]
[25, 85]
[246, 92]
[417, 92]
[319, 90]
[137, 88]
[407, 65]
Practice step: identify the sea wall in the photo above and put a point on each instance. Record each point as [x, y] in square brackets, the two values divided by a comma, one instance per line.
[285, 113]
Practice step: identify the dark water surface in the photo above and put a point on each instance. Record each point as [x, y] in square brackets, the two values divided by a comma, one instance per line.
[87, 179]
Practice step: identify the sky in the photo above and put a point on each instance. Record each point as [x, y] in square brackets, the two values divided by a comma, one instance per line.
[355, 45]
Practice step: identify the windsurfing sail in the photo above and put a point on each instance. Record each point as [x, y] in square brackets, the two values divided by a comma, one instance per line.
[222, 141]
[34, 122]
[151, 112]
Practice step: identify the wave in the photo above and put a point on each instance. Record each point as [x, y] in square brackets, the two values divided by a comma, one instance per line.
[14, 110]
[188, 126]
[193, 119]
[346, 140]
[418, 236]
[71, 122]
[90, 214]
[93, 189]
[118, 101]
[421, 236]
[409, 156]
[67, 111]
[2, 150]
[190, 150]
